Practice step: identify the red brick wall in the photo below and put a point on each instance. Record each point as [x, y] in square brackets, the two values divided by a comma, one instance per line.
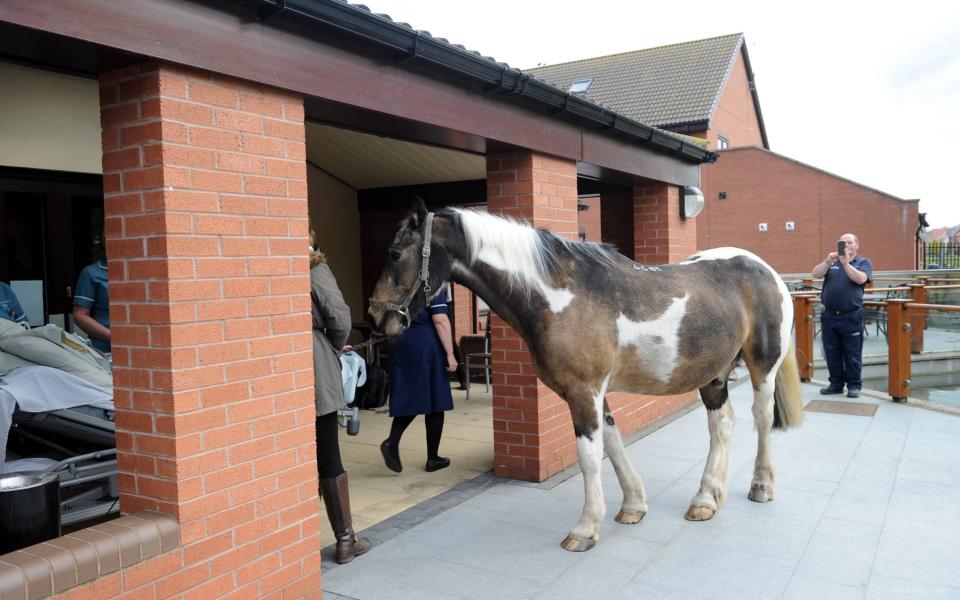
[660, 235]
[763, 187]
[735, 117]
[532, 431]
[206, 224]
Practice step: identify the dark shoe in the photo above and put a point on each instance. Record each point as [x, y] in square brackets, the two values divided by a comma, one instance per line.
[391, 457]
[829, 390]
[853, 392]
[435, 464]
[336, 499]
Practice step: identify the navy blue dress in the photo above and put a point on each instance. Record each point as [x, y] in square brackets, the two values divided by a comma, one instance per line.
[418, 374]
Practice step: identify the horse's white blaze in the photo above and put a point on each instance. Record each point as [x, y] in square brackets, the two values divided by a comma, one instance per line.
[655, 342]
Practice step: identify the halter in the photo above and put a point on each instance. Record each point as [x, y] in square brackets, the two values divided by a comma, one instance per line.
[423, 280]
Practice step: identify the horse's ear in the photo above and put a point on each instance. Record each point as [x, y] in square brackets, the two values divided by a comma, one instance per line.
[418, 212]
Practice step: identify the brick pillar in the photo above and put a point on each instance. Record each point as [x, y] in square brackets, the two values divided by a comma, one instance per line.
[660, 235]
[206, 226]
[532, 432]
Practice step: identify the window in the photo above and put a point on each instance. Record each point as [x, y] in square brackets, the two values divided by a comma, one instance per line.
[580, 86]
[722, 143]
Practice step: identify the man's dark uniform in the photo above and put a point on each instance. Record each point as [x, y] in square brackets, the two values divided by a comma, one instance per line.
[842, 324]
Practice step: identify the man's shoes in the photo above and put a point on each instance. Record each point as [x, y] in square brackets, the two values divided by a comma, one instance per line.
[435, 464]
[391, 456]
[830, 390]
[853, 392]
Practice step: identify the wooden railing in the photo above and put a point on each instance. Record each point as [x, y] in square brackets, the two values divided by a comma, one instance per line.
[906, 321]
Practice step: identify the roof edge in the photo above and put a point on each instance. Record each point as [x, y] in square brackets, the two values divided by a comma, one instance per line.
[753, 92]
[448, 58]
[818, 170]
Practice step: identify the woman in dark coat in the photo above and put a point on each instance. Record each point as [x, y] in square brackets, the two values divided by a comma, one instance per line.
[331, 326]
[419, 361]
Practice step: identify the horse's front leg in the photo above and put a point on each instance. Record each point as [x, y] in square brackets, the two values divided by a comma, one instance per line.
[634, 505]
[720, 419]
[586, 420]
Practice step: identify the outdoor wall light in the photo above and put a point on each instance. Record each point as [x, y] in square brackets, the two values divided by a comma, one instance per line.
[691, 202]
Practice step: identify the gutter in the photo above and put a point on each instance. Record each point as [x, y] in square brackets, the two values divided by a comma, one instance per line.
[447, 58]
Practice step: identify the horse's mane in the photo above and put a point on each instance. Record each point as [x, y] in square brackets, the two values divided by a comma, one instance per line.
[530, 257]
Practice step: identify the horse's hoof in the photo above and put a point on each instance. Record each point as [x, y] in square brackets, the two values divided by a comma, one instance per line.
[760, 493]
[573, 544]
[630, 517]
[699, 513]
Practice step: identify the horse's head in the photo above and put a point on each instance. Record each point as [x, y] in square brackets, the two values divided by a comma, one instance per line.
[415, 271]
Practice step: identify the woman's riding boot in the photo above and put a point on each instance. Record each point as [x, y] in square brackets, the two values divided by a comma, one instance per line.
[336, 497]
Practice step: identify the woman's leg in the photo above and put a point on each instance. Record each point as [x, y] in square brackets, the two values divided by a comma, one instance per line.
[390, 448]
[335, 491]
[329, 463]
[434, 423]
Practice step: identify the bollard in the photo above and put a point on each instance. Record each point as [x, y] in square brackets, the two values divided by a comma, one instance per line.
[898, 349]
[918, 294]
[803, 326]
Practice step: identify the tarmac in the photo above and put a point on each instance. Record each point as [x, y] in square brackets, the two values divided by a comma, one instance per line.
[865, 507]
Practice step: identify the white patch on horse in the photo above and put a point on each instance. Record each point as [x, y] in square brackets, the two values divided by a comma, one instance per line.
[656, 342]
[513, 248]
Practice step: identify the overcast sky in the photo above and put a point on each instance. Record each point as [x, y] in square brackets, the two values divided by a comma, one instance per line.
[869, 91]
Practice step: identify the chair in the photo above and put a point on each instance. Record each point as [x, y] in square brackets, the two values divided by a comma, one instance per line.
[477, 360]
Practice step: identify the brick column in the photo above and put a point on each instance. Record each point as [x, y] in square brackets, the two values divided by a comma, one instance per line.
[206, 226]
[532, 432]
[659, 234]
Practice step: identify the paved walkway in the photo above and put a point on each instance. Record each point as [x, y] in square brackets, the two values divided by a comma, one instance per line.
[866, 507]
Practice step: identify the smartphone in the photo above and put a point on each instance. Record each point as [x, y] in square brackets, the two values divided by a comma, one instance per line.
[841, 248]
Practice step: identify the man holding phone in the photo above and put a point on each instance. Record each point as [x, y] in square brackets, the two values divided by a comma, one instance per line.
[845, 274]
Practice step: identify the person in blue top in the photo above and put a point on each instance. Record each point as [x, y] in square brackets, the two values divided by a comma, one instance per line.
[91, 304]
[9, 305]
[420, 359]
[841, 322]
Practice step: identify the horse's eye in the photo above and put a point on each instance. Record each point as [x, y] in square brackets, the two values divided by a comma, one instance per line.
[394, 254]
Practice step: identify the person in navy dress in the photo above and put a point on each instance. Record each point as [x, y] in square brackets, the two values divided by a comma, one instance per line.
[91, 304]
[420, 359]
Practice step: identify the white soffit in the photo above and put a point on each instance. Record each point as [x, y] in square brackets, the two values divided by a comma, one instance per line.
[365, 161]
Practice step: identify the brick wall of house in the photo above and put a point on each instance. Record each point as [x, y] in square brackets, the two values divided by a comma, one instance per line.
[735, 117]
[764, 187]
[206, 225]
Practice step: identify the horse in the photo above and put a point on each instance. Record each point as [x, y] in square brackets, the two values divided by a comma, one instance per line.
[595, 321]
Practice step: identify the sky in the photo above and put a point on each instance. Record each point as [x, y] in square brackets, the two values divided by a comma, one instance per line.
[869, 91]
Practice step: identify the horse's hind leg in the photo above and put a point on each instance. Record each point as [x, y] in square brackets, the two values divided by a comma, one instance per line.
[587, 414]
[634, 505]
[761, 488]
[720, 419]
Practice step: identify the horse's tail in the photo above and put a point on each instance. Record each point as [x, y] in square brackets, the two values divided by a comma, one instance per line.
[787, 396]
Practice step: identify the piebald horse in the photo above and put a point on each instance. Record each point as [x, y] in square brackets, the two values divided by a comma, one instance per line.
[596, 322]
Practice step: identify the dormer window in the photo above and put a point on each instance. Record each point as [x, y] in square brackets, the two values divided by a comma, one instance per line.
[580, 86]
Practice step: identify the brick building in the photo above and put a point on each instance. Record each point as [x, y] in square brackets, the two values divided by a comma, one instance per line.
[816, 209]
[208, 138]
[706, 89]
